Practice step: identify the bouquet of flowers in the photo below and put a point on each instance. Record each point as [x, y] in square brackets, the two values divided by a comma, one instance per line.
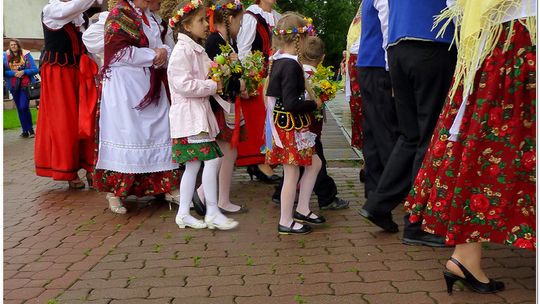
[323, 84]
[254, 72]
[324, 87]
[223, 67]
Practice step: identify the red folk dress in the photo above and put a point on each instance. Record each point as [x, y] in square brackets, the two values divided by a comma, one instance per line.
[481, 188]
[355, 104]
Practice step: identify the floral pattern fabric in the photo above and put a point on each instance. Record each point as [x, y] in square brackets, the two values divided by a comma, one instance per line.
[355, 104]
[481, 188]
[145, 184]
[289, 154]
[183, 151]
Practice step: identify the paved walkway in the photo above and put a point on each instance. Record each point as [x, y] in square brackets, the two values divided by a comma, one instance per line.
[64, 246]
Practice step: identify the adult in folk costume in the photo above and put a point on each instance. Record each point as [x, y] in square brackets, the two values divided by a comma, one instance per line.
[477, 181]
[352, 87]
[255, 35]
[135, 152]
[60, 149]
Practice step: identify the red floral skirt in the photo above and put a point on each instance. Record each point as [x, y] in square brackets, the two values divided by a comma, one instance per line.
[355, 104]
[481, 188]
[144, 184]
[289, 154]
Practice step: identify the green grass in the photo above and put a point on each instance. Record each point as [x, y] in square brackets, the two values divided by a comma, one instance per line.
[11, 119]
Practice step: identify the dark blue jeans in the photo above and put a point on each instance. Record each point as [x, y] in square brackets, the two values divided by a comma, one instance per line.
[23, 109]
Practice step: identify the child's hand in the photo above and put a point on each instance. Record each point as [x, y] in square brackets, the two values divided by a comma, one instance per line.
[161, 57]
[233, 57]
[319, 103]
[243, 92]
[219, 86]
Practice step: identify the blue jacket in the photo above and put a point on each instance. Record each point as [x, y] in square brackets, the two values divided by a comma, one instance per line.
[30, 69]
[414, 19]
[371, 52]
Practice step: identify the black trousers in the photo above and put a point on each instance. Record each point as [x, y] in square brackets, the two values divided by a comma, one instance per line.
[325, 188]
[380, 123]
[421, 74]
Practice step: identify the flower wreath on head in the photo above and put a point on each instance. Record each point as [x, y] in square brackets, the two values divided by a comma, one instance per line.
[237, 6]
[188, 8]
[309, 29]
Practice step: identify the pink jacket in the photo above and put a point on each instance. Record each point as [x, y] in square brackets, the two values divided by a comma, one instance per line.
[190, 112]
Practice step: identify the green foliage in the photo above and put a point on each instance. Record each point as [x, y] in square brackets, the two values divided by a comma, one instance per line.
[331, 19]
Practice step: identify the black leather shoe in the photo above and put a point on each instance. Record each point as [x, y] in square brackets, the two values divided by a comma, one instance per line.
[385, 222]
[470, 281]
[255, 171]
[424, 238]
[24, 135]
[306, 218]
[305, 229]
[198, 205]
[337, 204]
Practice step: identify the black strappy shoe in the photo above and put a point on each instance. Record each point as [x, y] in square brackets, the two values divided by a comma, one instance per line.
[470, 281]
[298, 217]
[305, 229]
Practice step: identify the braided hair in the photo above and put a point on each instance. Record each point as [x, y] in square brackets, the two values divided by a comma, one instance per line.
[221, 16]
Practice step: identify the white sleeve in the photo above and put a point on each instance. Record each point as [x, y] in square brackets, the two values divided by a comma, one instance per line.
[94, 36]
[58, 13]
[382, 7]
[138, 57]
[169, 38]
[246, 35]
[181, 79]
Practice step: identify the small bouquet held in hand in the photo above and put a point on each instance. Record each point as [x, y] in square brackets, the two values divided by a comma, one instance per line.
[323, 84]
[324, 87]
[254, 72]
[223, 67]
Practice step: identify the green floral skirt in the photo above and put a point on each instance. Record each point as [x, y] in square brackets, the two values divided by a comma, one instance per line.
[184, 151]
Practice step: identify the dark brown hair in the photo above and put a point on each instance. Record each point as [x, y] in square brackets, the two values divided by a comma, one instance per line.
[221, 16]
[187, 18]
[313, 49]
[13, 58]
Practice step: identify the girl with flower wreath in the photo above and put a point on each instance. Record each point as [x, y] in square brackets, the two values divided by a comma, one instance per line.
[225, 18]
[291, 144]
[193, 125]
[477, 181]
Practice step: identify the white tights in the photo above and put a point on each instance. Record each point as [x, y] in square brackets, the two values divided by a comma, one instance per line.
[187, 186]
[291, 174]
[225, 177]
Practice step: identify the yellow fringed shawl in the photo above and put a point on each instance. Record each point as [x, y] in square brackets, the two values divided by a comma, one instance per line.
[478, 29]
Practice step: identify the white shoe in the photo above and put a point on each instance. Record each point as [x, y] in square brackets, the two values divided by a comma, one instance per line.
[199, 224]
[115, 204]
[228, 225]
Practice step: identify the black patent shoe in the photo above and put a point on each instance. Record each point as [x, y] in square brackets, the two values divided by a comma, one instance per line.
[306, 218]
[470, 281]
[255, 171]
[425, 239]
[385, 222]
[305, 229]
[198, 205]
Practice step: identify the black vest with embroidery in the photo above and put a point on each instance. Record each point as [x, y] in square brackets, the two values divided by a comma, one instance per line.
[62, 47]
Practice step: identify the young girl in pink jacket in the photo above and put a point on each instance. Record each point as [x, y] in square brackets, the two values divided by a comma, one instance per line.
[193, 124]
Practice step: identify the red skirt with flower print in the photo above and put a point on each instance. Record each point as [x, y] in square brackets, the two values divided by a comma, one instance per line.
[144, 184]
[355, 104]
[481, 188]
[289, 154]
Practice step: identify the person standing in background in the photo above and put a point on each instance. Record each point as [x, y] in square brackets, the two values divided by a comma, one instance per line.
[20, 71]
[421, 67]
[380, 121]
